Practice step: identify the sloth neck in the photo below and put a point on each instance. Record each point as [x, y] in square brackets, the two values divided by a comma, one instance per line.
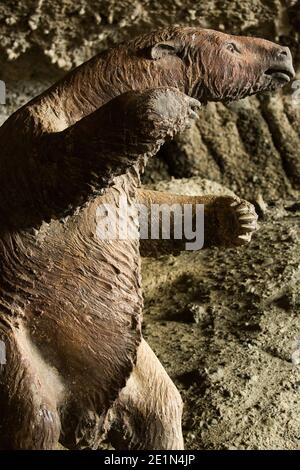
[91, 85]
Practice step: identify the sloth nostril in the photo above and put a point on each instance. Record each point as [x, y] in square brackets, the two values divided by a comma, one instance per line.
[282, 54]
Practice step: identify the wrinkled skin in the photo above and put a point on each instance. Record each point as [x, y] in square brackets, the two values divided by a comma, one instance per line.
[70, 303]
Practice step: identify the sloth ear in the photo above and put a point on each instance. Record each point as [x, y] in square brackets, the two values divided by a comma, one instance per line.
[163, 49]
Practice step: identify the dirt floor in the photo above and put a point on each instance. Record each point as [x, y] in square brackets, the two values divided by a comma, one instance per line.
[225, 325]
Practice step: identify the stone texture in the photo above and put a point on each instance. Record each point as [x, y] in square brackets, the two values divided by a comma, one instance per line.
[251, 146]
[225, 325]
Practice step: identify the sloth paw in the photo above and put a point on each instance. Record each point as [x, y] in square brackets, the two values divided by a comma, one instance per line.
[168, 111]
[236, 220]
[246, 221]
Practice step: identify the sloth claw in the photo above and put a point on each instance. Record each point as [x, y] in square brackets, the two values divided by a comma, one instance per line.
[246, 237]
[247, 220]
[192, 114]
[248, 226]
[236, 219]
[194, 107]
[243, 210]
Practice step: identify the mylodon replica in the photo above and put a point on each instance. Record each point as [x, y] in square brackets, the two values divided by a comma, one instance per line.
[71, 303]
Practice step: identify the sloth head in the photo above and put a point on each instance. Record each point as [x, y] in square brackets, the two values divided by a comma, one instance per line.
[208, 65]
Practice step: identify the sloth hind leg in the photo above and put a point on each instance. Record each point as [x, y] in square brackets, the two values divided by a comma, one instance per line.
[29, 417]
[147, 414]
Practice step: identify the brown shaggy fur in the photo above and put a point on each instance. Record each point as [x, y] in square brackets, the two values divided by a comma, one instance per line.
[70, 304]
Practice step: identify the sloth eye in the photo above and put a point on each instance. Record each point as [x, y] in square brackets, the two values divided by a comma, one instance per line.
[231, 47]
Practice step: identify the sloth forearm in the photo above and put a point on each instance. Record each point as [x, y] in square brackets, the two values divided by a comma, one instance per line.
[173, 245]
[60, 171]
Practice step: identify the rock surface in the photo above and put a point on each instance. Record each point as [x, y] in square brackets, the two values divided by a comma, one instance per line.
[225, 323]
[252, 146]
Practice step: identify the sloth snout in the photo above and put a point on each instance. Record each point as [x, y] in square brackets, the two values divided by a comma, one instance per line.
[284, 61]
[281, 65]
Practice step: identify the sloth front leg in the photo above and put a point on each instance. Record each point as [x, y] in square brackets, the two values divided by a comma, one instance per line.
[88, 156]
[59, 172]
[228, 221]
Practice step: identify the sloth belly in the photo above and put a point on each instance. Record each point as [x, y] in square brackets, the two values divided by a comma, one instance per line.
[79, 299]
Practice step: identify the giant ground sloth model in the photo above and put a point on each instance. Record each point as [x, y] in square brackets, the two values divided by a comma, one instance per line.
[70, 303]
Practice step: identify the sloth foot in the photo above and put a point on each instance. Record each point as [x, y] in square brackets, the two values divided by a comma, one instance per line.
[236, 220]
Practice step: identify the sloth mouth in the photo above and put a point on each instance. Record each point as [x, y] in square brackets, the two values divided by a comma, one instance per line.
[283, 75]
